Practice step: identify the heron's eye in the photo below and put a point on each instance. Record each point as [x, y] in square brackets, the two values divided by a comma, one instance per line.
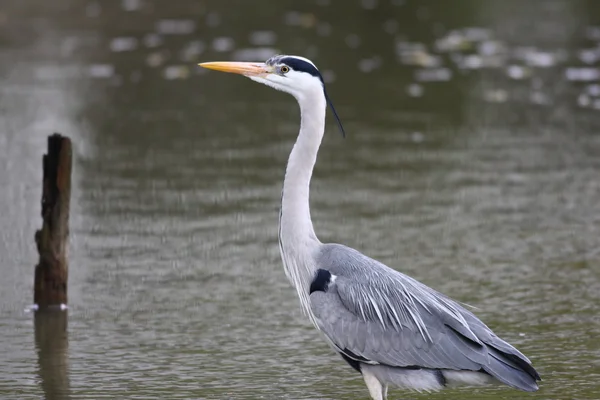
[284, 69]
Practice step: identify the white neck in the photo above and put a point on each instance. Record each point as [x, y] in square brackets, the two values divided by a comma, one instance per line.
[297, 239]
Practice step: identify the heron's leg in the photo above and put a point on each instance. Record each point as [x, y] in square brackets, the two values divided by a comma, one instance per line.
[376, 389]
[384, 391]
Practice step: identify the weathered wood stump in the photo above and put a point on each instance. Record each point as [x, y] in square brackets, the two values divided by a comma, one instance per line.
[52, 272]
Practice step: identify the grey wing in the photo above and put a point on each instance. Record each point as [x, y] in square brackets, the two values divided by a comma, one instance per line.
[376, 315]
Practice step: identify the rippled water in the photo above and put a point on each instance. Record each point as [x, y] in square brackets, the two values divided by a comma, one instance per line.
[471, 163]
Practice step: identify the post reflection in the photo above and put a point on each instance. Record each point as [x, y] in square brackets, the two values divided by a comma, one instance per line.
[52, 345]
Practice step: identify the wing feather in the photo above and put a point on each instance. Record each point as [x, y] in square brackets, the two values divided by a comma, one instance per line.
[380, 315]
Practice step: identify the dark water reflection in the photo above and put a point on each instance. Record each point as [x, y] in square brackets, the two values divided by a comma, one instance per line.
[471, 163]
[51, 341]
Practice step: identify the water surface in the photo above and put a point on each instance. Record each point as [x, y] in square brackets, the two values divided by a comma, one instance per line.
[471, 164]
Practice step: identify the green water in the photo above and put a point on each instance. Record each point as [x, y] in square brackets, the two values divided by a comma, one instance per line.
[471, 163]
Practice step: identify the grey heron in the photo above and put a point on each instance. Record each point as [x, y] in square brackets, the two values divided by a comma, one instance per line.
[389, 327]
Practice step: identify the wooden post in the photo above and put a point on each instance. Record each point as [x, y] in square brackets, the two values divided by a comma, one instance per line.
[51, 273]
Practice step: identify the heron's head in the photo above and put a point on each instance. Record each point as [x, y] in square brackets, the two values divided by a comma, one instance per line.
[295, 75]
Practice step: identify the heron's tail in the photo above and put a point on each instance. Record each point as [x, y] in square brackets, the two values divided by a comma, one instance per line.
[504, 362]
[511, 369]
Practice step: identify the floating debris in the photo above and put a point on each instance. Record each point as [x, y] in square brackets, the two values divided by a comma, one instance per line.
[476, 34]
[213, 19]
[223, 44]
[518, 72]
[156, 59]
[422, 60]
[584, 100]
[254, 54]
[592, 33]
[263, 38]
[131, 5]
[417, 137]
[423, 13]
[176, 72]
[120, 44]
[453, 41]
[472, 61]
[35, 307]
[433, 74]
[101, 70]
[536, 58]
[192, 50]
[292, 18]
[56, 72]
[367, 65]
[415, 90]
[582, 74]
[31, 308]
[391, 26]
[475, 61]
[593, 90]
[176, 26]
[541, 59]
[304, 20]
[353, 41]
[135, 76]
[153, 40]
[324, 29]
[69, 45]
[537, 83]
[539, 98]
[116, 80]
[416, 54]
[93, 9]
[369, 4]
[491, 47]
[328, 76]
[530, 74]
[590, 56]
[409, 47]
[495, 96]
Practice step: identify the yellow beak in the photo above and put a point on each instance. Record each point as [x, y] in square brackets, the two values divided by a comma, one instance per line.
[242, 68]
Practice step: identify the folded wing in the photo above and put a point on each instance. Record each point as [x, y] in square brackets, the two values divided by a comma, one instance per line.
[380, 316]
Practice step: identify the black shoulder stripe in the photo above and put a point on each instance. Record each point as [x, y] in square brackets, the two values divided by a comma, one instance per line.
[321, 281]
